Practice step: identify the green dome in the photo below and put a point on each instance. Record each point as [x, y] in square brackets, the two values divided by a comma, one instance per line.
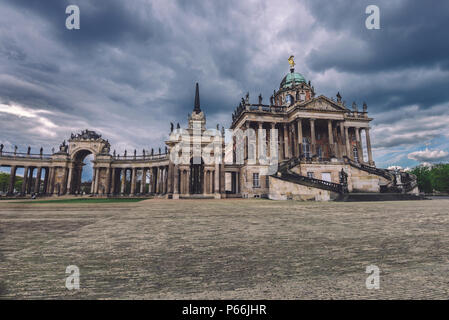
[292, 77]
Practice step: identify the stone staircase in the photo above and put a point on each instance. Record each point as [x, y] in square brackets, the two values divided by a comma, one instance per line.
[284, 173]
[409, 180]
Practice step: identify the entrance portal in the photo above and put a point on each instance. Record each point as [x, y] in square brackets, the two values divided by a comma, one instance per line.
[196, 177]
[82, 173]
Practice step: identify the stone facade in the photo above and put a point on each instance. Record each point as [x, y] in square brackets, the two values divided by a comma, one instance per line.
[299, 146]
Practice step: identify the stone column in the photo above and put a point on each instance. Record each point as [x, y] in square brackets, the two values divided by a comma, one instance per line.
[97, 180]
[170, 175]
[112, 184]
[133, 181]
[245, 142]
[286, 142]
[259, 147]
[313, 136]
[343, 139]
[368, 147]
[299, 137]
[176, 182]
[159, 180]
[92, 185]
[270, 140]
[157, 177]
[45, 186]
[49, 180]
[211, 181]
[69, 180]
[222, 175]
[164, 180]
[280, 144]
[52, 179]
[122, 186]
[348, 146]
[359, 144]
[30, 181]
[108, 180]
[167, 179]
[181, 180]
[331, 138]
[204, 181]
[79, 179]
[25, 180]
[217, 180]
[188, 181]
[294, 140]
[12, 180]
[143, 181]
[152, 180]
[38, 180]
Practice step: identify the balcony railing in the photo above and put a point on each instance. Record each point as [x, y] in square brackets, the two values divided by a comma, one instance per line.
[144, 157]
[23, 155]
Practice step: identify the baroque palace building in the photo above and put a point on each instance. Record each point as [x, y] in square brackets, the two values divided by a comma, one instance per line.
[299, 146]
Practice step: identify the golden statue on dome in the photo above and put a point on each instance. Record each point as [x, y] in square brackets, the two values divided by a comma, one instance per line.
[291, 61]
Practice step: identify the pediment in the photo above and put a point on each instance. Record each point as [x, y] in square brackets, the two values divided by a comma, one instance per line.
[322, 103]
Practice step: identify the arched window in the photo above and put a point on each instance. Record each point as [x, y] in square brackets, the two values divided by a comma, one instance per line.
[355, 154]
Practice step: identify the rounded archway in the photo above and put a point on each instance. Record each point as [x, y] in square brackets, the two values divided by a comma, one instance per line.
[82, 172]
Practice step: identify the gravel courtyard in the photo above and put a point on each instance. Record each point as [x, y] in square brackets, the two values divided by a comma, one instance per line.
[225, 249]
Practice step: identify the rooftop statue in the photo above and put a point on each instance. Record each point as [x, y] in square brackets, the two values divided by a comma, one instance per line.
[291, 61]
[85, 135]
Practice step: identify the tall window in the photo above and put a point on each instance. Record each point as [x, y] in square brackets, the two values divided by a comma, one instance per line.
[355, 154]
[319, 152]
[306, 147]
[256, 182]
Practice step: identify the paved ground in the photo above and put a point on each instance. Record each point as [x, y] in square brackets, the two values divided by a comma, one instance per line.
[162, 249]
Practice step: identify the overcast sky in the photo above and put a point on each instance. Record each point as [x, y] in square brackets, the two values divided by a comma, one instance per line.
[131, 68]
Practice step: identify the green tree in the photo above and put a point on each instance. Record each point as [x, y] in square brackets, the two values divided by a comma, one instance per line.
[440, 177]
[4, 181]
[423, 175]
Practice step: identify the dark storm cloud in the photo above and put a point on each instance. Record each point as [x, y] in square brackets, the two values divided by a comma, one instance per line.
[412, 34]
[412, 40]
[131, 68]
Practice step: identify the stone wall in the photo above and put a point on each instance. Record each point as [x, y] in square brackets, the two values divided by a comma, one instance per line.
[362, 181]
[285, 190]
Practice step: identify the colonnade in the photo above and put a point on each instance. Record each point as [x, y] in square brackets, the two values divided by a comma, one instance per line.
[114, 181]
[30, 183]
[336, 138]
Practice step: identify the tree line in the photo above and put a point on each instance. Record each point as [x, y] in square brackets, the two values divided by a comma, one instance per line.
[431, 179]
